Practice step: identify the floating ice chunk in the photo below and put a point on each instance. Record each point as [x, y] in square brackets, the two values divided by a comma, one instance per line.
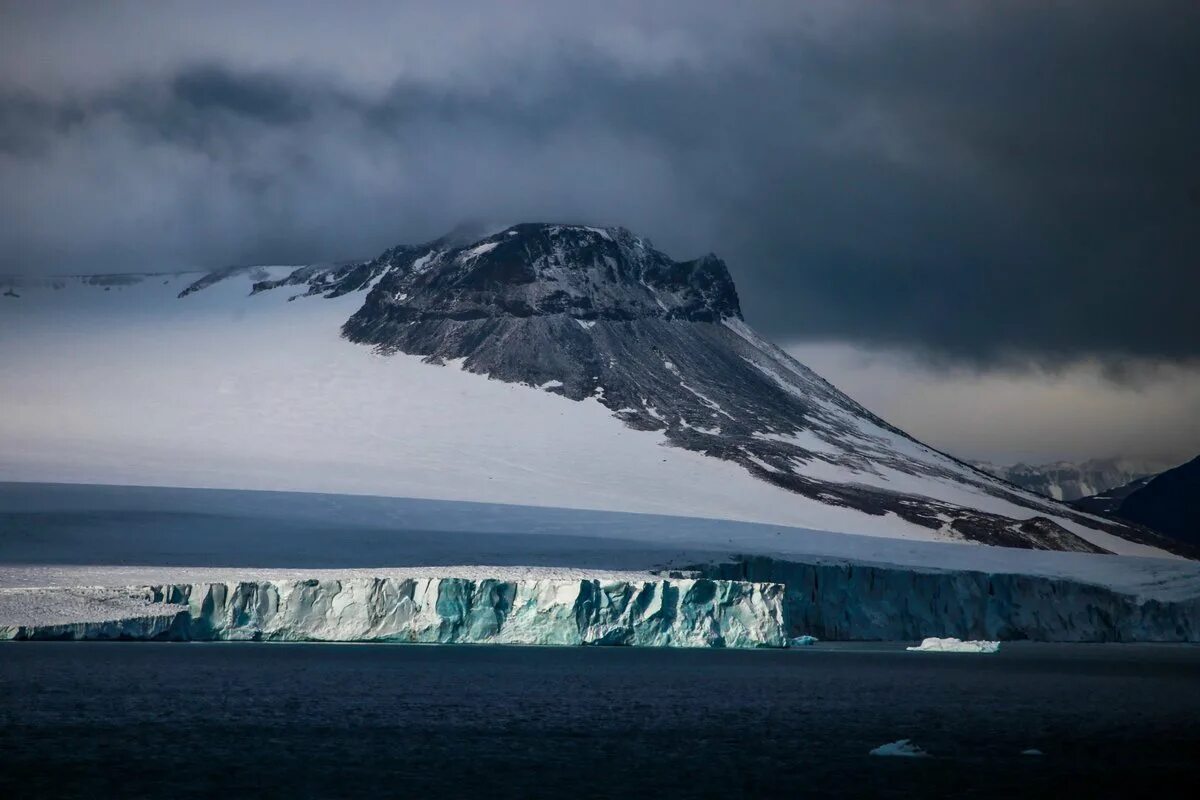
[904, 748]
[1033, 751]
[951, 645]
[803, 641]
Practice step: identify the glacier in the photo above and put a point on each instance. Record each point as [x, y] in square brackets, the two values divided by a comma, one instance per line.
[755, 601]
[431, 609]
[59, 540]
[864, 601]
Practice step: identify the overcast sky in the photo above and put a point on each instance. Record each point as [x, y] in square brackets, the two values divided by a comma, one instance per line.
[944, 206]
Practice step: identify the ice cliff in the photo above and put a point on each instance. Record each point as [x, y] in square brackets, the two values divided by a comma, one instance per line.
[756, 601]
[665, 613]
[972, 593]
[849, 601]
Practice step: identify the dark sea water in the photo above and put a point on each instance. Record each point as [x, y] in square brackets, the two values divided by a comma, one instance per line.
[277, 720]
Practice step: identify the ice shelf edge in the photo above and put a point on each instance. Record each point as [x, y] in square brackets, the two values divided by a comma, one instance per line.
[653, 613]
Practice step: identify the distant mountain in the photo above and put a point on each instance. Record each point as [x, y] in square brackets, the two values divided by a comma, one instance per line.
[1169, 503]
[1065, 480]
[1108, 503]
[541, 364]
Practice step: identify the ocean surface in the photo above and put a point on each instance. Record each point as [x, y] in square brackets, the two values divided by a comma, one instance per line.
[299, 720]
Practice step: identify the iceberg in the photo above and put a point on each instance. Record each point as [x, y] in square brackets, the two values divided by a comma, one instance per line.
[933, 644]
[803, 641]
[903, 748]
[529, 610]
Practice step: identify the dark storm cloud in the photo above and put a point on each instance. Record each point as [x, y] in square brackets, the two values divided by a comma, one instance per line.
[258, 97]
[1004, 182]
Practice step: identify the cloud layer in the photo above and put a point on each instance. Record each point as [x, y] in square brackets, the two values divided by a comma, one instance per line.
[1006, 416]
[982, 183]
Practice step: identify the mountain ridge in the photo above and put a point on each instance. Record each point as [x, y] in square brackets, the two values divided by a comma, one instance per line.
[590, 312]
[1074, 480]
[598, 317]
[1168, 503]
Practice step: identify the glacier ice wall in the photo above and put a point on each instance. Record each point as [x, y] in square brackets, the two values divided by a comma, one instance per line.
[757, 601]
[848, 601]
[674, 613]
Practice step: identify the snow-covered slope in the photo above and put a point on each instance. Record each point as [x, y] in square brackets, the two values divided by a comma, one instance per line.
[55, 532]
[224, 389]
[620, 380]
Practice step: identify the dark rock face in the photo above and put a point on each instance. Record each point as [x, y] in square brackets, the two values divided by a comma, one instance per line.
[1169, 503]
[1109, 502]
[599, 315]
[330, 280]
[539, 271]
[219, 275]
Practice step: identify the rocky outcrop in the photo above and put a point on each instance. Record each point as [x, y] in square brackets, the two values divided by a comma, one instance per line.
[1169, 503]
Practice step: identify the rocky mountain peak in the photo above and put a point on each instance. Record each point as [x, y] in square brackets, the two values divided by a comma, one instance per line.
[599, 315]
[537, 269]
